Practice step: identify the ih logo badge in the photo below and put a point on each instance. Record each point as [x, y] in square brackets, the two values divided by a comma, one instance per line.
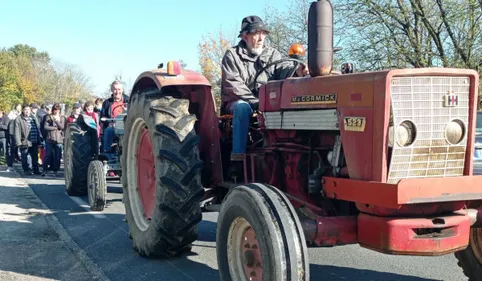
[451, 99]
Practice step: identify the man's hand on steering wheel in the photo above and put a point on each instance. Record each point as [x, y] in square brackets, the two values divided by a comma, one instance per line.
[302, 70]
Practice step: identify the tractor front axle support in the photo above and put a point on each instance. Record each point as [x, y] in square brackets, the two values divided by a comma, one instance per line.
[414, 236]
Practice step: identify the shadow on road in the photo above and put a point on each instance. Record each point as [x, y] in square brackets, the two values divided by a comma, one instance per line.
[29, 247]
[31, 243]
[335, 273]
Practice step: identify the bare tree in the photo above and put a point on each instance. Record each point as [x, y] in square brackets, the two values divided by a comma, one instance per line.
[69, 83]
[412, 33]
[291, 27]
[211, 52]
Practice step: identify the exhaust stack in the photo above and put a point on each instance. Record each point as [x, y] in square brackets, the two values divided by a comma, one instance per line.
[320, 38]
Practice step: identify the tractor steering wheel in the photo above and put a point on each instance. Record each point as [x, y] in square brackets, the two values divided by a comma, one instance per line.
[297, 64]
[119, 105]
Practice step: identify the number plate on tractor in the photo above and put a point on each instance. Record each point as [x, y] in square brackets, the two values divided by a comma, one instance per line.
[356, 124]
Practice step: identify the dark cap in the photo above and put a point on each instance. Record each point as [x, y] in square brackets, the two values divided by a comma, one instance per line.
[252, 24]
[76, 105]
[34, 105]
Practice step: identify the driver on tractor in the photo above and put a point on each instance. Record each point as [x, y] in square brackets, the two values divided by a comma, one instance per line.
[112, 107]
[240, 66]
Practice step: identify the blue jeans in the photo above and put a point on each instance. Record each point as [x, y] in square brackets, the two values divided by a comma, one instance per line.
[109, 135]
[242, 113]
[53, 154]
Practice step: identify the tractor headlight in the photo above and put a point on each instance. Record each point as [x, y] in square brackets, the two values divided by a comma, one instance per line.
[404, 134]
[455, 131]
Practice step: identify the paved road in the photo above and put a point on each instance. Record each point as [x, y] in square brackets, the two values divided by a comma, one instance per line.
[104, 238]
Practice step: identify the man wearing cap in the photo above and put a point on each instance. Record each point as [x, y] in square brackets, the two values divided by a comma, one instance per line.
[240, 65]
[34, 109]
[82, 103]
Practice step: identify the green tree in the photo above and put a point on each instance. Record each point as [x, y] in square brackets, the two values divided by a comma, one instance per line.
[9, 80]
[21, 50]
[27, 75]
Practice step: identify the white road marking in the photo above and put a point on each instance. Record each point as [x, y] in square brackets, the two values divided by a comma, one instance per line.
[86, 206]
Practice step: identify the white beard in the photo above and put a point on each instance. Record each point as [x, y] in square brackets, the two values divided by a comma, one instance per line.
[256, 51]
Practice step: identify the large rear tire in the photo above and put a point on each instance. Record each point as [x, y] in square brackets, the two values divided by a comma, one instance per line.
[78, 152]
[470, 259]
[259, 237]
[161, 175]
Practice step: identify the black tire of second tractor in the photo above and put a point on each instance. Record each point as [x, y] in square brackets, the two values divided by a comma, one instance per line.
[78, 153]
[173, 226]
[469, 262]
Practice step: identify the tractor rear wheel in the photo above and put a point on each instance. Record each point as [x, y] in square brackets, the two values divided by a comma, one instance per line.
[78, 152]
[470, 259]
[259, 237]
[97, 186]
[161, 175]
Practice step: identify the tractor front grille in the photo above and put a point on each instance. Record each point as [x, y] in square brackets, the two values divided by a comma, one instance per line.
[421, 100]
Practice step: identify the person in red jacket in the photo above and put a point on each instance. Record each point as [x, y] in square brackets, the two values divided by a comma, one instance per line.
[75, 113]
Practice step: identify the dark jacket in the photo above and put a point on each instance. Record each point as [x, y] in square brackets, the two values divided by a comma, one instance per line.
[239, 69]
[54, 130]
[4, 126]
[107, 110]
[12, 116]
[21, 132]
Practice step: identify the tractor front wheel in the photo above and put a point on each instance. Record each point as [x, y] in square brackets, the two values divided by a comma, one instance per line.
[470, 259]
[259, 237]
[96, 186]
[161, 175]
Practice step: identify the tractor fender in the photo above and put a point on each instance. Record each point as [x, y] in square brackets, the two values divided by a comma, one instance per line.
[199, 94]
[158, 78]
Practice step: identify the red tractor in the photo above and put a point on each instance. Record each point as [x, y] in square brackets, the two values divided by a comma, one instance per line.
[383, 159]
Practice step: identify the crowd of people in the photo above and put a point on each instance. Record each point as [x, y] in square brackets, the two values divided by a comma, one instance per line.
[34, 136]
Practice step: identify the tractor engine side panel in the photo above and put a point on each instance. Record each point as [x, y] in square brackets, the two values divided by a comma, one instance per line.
[343, 104]
[296, 154]
[270, 96]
